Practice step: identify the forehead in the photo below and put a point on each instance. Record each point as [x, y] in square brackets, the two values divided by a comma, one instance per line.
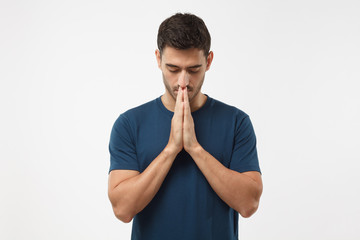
[183, 58]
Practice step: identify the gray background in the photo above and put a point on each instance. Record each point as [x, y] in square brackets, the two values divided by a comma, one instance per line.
[69, 68]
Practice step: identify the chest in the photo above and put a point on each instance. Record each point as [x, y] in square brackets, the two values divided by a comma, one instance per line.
[152, 135]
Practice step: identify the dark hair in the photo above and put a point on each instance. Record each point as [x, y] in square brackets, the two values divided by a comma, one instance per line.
[184, 31]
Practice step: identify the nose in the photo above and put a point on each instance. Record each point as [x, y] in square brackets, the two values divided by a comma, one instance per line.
[183, 79]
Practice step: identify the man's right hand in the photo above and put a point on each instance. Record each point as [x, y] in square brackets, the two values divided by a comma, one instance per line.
[175, 143]
[131, 191]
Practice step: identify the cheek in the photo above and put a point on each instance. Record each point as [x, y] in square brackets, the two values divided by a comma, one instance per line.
[170, 78]
[197, 79]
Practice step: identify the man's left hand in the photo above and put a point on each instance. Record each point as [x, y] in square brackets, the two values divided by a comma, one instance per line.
[189, 137]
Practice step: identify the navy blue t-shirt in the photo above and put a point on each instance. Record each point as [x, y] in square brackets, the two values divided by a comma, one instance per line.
[185, 207]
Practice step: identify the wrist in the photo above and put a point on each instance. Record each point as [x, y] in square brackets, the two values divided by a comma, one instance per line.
[195, 150]
[171, 151]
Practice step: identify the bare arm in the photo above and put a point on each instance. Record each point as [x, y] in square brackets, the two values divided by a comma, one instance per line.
[130, 191]
[241, 191]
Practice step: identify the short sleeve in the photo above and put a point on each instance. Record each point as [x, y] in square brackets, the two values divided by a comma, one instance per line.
[122, 147]
[244, 156]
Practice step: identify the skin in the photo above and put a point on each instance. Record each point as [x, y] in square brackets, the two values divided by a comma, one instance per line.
[180, 69]
[183, 75]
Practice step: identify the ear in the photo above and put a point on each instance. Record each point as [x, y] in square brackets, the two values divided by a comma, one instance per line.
[209, 60]
[158, 57]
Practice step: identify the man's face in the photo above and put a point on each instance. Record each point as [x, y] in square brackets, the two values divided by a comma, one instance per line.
[183, 68]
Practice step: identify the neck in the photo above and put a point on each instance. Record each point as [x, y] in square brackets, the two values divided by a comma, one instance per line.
[196, 103]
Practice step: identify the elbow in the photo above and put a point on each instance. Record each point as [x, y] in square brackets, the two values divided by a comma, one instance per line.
[248, 211]
[124, 218]
[122, 215]
[249, 207]
[120, 209]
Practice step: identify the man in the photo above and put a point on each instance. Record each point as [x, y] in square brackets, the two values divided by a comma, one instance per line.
[184, 165]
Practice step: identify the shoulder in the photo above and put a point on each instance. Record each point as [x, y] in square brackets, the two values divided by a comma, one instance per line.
[135, 114]
[141, 109]
[224, 109]
[237, 118]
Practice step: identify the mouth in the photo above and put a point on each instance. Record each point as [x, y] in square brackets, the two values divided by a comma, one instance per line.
[177, 90]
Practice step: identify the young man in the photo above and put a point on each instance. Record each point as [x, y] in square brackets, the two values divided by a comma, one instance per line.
[184, 165]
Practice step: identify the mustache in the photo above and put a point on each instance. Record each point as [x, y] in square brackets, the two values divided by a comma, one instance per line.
[177, 88]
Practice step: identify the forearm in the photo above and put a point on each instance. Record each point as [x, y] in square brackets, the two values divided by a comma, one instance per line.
[132, 195]
[238, 190]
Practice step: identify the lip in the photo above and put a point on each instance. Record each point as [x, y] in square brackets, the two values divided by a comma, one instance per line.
[175, 91]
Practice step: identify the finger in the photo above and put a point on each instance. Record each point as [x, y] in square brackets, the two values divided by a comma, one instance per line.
[187, 109]
[178, 101]
[186, 101]
[178, 117]
[186, 96]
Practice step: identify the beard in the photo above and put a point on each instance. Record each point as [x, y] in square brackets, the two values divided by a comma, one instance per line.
[192, 91]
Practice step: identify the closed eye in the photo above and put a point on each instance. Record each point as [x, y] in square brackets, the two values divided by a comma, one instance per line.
[193, 70]
[174, 70]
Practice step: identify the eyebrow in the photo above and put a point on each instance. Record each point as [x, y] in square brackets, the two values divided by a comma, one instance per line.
[174, 66]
